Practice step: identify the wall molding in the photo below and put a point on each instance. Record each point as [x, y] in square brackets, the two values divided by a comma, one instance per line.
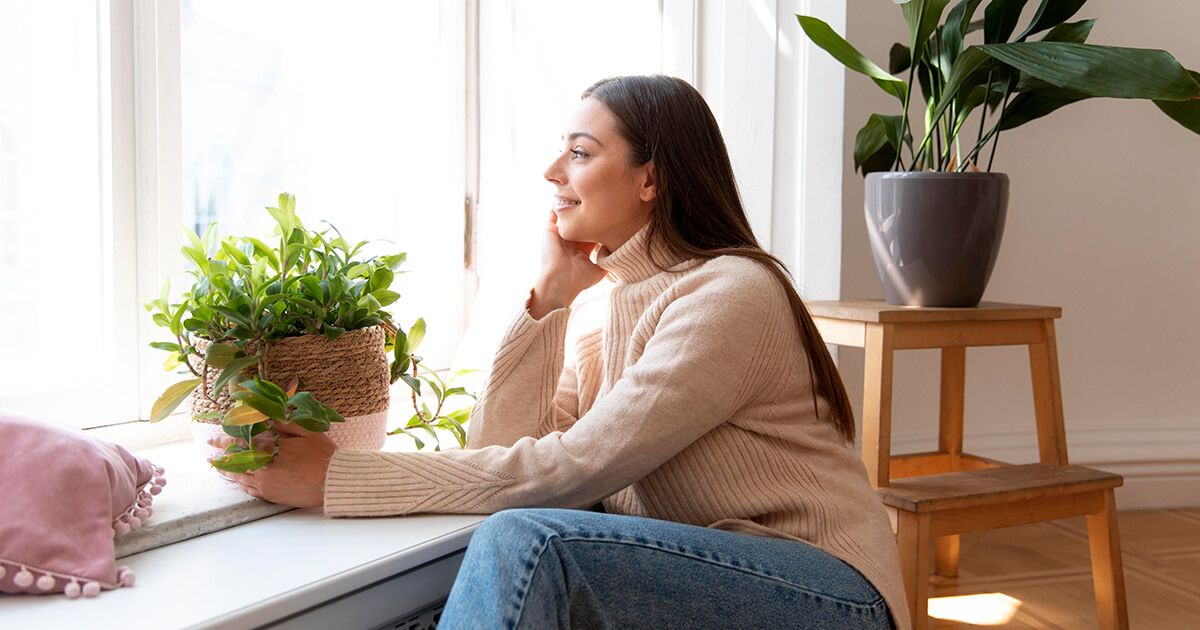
[1161, 464]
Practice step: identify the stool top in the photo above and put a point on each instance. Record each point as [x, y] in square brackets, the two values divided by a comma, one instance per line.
[878, 311]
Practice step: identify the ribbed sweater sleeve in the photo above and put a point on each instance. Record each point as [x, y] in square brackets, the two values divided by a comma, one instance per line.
[529, 389]
[703, 362]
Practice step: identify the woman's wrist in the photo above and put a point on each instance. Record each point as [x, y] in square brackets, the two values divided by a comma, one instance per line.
[547, 297]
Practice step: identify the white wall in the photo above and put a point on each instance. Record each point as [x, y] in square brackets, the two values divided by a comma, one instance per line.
[1102, 220]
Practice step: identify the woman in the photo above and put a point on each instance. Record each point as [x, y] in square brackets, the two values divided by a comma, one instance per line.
[705, 413]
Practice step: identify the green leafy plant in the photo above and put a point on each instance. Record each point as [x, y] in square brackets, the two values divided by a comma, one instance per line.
[1013, 79]
[246, 294]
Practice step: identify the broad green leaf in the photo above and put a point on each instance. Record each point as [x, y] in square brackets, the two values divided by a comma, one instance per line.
[220, 355]
[922, 17]
[197, 257]
[1000, 20]
[165, 345]
[381, 278]
[242, 462]
[899, 58]
[385, 296]
[877, 143]
[242, 415]
[234, 316]
[232, 371]
[1074, 32]
[412, 382]
[1186, 113]
[953, 32]
[265, 251]
[171, 398]
[1050, 14]
[416, 334]
[395, 261]
[827, 39]
[270, 408]
[357, 270]
[1032, 105]
[1104, 71]
[227, 247]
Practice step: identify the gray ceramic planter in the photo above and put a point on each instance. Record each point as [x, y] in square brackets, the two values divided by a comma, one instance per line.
[935, 236]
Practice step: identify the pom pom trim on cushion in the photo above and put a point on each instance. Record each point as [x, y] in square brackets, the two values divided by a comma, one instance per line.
[141, 508]
[29, 576]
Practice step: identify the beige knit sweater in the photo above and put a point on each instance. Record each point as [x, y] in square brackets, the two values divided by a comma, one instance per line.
[690, 401]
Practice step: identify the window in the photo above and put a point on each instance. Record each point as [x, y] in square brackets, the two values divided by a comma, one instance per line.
[536, 58]
[65, 341]
[123, 120]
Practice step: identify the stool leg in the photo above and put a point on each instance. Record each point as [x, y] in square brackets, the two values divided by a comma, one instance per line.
[1047, 398]
[877, 404]
[945, 552]
[1108, 577]
[912, 537]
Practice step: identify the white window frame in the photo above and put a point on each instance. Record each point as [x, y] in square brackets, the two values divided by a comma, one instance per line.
[786, 145]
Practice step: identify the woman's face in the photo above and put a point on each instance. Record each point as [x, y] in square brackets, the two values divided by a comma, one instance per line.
[599, 196]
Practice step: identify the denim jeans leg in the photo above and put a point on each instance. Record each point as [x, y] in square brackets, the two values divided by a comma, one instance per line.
[546, 568]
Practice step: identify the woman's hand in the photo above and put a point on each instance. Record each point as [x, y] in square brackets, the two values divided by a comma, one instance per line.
[567, 269]
[296, 477]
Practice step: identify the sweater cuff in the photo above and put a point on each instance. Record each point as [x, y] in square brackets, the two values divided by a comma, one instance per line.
[552, 328]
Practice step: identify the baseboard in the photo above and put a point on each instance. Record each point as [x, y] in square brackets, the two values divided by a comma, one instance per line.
[1161, 465]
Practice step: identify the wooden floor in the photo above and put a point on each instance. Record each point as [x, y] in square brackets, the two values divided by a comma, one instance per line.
[1044, 570]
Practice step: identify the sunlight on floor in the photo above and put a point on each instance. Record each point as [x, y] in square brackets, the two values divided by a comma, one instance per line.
[984, 609]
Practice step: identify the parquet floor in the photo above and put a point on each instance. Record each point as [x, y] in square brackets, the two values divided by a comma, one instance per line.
[1044, 571]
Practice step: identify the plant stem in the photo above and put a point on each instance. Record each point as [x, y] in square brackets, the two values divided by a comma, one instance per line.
[912, 71]
[996, 140]
[982, 113]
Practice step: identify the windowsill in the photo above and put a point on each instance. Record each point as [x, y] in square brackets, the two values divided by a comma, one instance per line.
[196, 500]
[297, 569]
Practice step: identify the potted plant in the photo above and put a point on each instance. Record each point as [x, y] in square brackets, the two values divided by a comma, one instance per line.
[295, 332]
[934, 218]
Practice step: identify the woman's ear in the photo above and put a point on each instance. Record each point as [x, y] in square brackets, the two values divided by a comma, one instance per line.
[649, 191]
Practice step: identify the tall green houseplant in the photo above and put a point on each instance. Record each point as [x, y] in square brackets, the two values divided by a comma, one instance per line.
[1010, 78]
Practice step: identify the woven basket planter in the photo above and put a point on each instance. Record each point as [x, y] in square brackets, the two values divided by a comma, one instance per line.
[348, 374]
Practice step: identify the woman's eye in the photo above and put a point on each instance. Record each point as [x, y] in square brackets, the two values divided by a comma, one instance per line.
[578, 153]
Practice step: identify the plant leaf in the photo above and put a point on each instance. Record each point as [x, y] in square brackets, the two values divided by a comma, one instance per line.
[1051, 13]
[416, 335]
[827, 39]
[171, 398]
[1104, 71]
[1073, 32]
[232, 371]
[242, 462]
[1032, 105]
[1000, 20]
[1186, 113]
[242, 415]
[922, 18]
[877, 143]
[220, 355]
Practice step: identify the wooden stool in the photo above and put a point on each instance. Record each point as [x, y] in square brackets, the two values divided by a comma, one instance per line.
[943, 493]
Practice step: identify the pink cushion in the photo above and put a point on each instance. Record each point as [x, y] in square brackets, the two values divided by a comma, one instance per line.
[63, 498]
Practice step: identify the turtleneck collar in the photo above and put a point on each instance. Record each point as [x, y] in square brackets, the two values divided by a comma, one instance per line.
[633, 262]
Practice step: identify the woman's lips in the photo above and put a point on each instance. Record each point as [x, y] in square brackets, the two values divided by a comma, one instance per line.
[561, 203]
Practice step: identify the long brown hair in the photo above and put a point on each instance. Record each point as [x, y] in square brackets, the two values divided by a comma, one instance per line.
[698, 210]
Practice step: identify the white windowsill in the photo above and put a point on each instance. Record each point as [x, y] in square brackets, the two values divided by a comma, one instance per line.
[195, 570]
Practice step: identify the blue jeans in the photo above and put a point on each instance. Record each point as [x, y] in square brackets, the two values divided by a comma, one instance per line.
[545, 568]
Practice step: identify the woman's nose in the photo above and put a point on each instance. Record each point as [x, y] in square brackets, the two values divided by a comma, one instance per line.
[554, 173]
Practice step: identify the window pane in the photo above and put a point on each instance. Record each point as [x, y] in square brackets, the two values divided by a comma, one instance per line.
[346, 109]
[56, 282]
[536, 57]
